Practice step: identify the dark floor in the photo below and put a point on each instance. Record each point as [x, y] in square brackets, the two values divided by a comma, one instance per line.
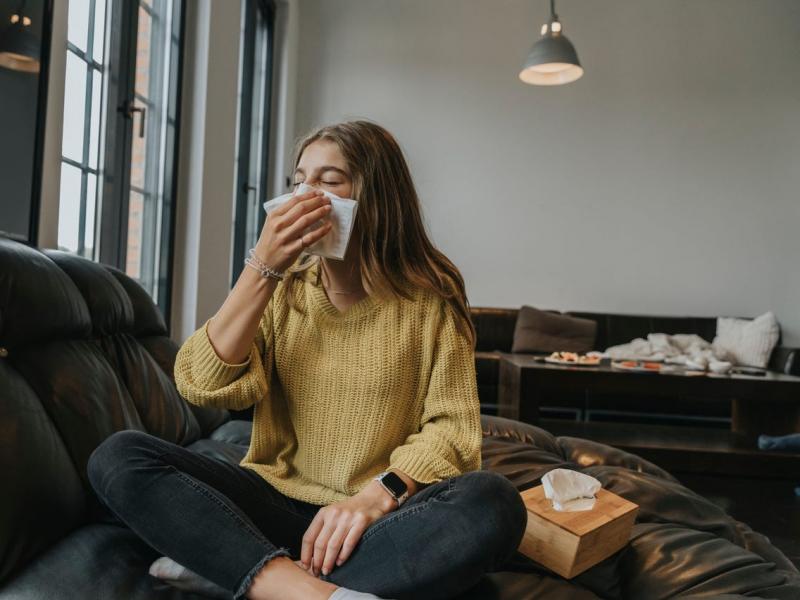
[768, 506]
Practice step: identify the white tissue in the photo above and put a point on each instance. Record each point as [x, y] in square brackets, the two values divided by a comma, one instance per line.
[570, 490]
[342, 215]
[720, 366]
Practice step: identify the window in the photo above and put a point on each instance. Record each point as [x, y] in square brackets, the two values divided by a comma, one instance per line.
[120, 133]
[255, 90]
[83, 85]
[150, 195]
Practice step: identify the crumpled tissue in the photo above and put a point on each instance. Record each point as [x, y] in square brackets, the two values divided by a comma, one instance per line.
[342, 215]
[570, 490]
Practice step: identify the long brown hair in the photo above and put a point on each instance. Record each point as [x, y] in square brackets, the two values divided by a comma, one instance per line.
[396, 253]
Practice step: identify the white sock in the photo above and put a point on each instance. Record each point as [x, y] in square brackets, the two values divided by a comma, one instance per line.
[182, 578]
[343, 593]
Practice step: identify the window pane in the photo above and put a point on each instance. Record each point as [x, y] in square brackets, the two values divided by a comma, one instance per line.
[96, 110]
[89, 224]
[138, 157]
[143, 49]
[98, 45]
[155, 91]
[77, 219]
[78, 23]
[133, 263]
[69, 208]
[74, 107]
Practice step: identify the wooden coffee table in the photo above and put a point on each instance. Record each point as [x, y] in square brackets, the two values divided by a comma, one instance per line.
[759, 404]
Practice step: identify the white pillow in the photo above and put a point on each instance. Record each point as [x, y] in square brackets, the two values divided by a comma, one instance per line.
[747, 342]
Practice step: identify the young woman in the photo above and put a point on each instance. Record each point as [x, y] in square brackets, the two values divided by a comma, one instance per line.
[363, 472]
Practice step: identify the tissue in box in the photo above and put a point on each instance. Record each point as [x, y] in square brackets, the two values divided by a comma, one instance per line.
[568, 543]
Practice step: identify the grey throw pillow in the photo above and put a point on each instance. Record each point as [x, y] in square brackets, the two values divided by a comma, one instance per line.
[541, 331]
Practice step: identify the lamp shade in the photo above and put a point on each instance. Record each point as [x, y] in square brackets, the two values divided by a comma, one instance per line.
[19, 48]
[551, 61]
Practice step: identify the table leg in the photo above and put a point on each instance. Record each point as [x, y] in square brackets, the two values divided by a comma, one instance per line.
[508, 392]
[530, 397]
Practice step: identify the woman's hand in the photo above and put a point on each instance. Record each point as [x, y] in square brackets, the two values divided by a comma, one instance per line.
[281, 239]
[337, 528]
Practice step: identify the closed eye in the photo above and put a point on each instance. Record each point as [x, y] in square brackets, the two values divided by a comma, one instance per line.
[296, 183]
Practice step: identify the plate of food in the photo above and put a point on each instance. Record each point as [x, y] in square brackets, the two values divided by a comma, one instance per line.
[573, 358]
[639, 366]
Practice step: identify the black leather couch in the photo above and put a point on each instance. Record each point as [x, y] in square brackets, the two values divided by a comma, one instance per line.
[495, 329]
[85, 353]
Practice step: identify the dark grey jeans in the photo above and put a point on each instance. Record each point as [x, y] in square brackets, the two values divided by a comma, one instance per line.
[224, 521]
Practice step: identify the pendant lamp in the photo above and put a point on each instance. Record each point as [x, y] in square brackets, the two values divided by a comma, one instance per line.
[552, 60]
[19, 46]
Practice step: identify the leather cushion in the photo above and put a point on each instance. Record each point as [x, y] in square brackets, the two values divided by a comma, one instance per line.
[81, 393]
[109, 306]
[681, 545]
[162, 410]
[541, 331]
[163, 350]
[38, 301]
[42, 497]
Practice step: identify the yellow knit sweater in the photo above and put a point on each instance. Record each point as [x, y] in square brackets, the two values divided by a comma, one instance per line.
[340, 397]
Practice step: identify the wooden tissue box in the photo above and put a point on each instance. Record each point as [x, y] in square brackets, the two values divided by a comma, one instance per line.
[568, 543]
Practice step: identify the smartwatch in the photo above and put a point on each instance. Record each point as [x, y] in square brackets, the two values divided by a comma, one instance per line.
[393, 484]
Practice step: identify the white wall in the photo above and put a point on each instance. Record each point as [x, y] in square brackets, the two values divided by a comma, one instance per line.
[54, 124]
[207, 170]
[666, 181]
[208, 148]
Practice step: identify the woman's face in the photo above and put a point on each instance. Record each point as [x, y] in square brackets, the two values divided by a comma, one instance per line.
[322, 165]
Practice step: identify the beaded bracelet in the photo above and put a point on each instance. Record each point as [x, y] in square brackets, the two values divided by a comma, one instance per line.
[265, 271]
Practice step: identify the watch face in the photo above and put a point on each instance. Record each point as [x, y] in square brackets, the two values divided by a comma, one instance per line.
[394, 483]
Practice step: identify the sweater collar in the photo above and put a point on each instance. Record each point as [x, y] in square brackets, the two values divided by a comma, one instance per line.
[320, 298]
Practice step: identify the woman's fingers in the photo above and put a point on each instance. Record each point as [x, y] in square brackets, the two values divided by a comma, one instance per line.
[334, 545]
[321, 543]
[351, 541]
[309, 537]
[294, 201]
[312, 236]
[295, 229]
[299, 209]
[281, 240]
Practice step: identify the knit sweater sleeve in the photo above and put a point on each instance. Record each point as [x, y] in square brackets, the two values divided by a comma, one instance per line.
[448, 442]
[204, 379]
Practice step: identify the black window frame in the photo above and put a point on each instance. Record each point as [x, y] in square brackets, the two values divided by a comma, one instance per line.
[243, 176]
[116, 175]
[93, 69]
